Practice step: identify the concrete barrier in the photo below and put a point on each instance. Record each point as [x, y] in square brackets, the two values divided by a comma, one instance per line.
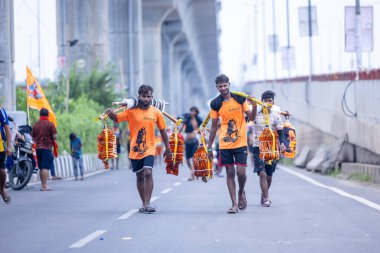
[372, 171]
[64, 166]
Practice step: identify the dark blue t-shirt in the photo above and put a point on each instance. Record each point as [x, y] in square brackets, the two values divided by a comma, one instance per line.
[3, 122]
[76, 147]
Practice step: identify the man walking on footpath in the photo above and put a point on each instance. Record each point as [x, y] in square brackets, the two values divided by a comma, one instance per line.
[231, 110]
[76, 155]
[142, 121]
[265, 170]
[5, 150]
[44, 133]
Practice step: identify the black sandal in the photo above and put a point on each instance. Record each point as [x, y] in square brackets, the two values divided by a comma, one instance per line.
[233, 210]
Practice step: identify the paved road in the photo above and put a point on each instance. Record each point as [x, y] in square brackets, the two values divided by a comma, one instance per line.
[305, 216]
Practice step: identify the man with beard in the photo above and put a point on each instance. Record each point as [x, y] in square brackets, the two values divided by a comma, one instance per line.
[142, 120]
[231, 110]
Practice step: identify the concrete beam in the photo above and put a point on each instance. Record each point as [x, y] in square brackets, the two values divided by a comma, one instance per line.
[86, 21]
[125, 32]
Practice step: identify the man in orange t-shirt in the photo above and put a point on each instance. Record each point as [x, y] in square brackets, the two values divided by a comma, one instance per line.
[142, 121]
[231, 110]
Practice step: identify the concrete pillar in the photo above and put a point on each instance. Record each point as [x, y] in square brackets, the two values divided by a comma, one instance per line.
[153, 59]
[7, 82]
[153, 16]
[86, 21]
[125, 31]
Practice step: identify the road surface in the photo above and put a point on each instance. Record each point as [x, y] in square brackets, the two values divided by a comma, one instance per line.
[309, 213]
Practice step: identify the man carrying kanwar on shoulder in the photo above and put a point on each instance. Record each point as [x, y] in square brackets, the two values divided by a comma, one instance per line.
[142, 121]
[44, 134]
[265, 170]
[231, 110]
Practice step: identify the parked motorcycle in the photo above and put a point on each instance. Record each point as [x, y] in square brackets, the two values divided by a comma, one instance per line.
[23, 160]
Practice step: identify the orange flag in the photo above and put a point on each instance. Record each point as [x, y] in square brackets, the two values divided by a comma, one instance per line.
[36, 98]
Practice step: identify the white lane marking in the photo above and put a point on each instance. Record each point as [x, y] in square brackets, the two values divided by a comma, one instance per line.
[154, 199]
[167, 190]
[87, 239]
[70, 178]
[128, 214]
[88, 174]
[177, 183]
[184, 179]
[333, 189]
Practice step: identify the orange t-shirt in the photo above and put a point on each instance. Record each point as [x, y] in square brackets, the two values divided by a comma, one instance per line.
[141, 127]
[233, 128]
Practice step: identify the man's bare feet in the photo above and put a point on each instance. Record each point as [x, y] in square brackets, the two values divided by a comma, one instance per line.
[6, 197]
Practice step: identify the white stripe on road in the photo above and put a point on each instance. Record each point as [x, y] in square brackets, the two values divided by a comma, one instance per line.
[154, 199]
[167, 190]
[87, 239]
[177, 183]
[128, 214]
[334, 189]
[87, 175]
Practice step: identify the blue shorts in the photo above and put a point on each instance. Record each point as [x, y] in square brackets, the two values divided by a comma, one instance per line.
[2, 160]
[139, 164]
[260, 165]
[45, 159]
[191, 147]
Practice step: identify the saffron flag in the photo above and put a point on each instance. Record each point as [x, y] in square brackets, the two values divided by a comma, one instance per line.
[36, 98]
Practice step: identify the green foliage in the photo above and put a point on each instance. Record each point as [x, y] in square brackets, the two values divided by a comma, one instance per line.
[90, 94]
[97, 85]
[21, 105]
[80, 120]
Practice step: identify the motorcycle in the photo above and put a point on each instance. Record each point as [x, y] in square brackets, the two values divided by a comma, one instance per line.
[23, 159]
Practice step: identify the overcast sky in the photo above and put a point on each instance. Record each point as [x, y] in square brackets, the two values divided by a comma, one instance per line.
[241, 38]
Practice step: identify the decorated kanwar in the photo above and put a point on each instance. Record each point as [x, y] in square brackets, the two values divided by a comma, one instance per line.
[143, 117]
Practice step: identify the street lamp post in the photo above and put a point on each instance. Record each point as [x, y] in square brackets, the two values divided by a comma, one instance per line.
[70, 43]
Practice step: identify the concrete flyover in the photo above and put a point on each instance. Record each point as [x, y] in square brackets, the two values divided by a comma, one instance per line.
[328, 110]
[169, 44]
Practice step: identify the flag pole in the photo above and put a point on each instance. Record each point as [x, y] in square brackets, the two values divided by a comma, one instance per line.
[27, 107]
[27, 101]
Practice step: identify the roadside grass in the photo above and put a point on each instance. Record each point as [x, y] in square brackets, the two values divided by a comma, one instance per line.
[361, 177]
[287, 161]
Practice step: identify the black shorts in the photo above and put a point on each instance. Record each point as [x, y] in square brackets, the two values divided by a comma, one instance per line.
[191, 146]
[260, 165]
[139, 164]
[45, 159]
[2, 160]
[236, 156]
